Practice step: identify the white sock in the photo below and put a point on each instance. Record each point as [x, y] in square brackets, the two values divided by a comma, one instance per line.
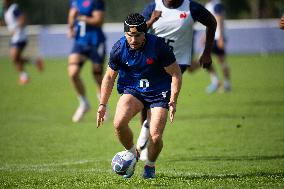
[132, 150]
[150, 163]
[83, 100]
[214, 78]
[23, 75]
[226, 82]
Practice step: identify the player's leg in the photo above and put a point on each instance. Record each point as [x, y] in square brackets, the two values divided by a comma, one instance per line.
[97, 72]
[226, 71]
[143, 139]
[127, 107]
[158, 121]
[75, 62]
[16, 52]
[97, 56]
[215, 83]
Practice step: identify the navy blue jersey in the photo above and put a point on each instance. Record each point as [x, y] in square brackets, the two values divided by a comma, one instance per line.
[142, 69]
[88, 34]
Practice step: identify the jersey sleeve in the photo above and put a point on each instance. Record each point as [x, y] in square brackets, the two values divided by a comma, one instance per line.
[147, 12]
[73, 4]
[99, 5]
[114, 58]
[199, 13]
[164, 53]
[17, 11]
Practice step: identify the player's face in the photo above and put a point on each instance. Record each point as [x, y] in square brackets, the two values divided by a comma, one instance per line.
[172, 3]
[135, 39]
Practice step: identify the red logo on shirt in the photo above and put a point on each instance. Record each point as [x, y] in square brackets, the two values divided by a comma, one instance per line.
[182, 15]
[86, 3]
[150, 61]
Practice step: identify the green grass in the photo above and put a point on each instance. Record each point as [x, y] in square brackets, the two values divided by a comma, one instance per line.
[223, 140]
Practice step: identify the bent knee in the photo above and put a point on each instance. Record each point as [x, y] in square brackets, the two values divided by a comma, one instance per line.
[120, 124]
[156, 138]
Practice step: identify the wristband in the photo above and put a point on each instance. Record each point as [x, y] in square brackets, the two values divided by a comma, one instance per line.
[102, 105]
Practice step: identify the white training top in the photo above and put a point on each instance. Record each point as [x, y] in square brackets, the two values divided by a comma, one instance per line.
[176, 26]
[11, 19]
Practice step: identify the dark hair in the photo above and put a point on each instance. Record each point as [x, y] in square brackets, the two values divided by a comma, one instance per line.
[135, 20]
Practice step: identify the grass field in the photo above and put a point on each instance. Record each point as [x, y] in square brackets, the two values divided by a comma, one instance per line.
[223, 140]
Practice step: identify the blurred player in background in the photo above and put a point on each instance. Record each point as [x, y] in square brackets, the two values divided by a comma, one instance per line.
[217, 9]
[15, 20]
[173, 20]
[150, 78]
[281, 22]
[85, 20]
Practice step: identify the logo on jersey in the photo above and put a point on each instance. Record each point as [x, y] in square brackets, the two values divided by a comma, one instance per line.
[164, 94]
[86, 3]
[150, 61]
[182, 15]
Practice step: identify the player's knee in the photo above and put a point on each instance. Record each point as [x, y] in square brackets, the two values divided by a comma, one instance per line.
[156, 138]
[119, 124]
[97, 71]
[73, 73]
[224, 66]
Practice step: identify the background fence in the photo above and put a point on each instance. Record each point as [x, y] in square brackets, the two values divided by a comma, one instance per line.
[243, 37]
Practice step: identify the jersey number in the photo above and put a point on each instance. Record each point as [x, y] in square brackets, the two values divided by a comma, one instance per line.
[144, 83]
[82, 28]
[169, 43]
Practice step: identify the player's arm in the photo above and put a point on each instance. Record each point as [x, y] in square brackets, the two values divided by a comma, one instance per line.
[22, 20]
[106, 89]
[150, 14]
[219, 16]
[98, 15]
[168, 60]
[175, 72]
[202, 15]
[108, 81]
[71, 21]
[97, 18]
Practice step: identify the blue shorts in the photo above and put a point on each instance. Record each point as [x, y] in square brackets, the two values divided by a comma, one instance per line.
[96, 53]
[216, 50]
[151, 100]
[19, 45]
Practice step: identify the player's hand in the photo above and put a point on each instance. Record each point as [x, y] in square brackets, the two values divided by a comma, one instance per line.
[71, 33]
[82, 18]
[205, 61]
[172, 109]
[100, 115]
[156, 15]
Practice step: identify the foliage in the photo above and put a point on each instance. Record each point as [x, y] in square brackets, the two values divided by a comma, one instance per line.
[55, 12]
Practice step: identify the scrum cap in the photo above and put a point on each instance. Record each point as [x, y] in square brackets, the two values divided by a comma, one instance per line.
[135, 23]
